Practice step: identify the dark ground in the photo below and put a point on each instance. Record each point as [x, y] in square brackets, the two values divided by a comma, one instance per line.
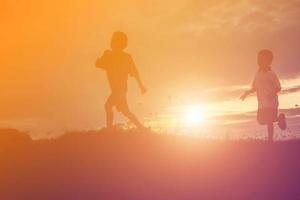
[113, 166]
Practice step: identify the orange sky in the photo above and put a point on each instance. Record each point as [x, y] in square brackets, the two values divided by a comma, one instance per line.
[183, 49]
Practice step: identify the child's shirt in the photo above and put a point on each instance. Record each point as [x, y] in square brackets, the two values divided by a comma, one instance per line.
[118, 65]
[266, 85]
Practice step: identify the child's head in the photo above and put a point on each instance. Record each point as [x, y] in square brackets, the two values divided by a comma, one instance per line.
[118, 41]
[264, 58]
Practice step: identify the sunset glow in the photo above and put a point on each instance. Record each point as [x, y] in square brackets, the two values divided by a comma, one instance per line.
[193, 115]
[149, 100]
[187, 53]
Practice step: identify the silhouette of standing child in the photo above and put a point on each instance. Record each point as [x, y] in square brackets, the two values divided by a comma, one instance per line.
[118, 65]
[266, 85]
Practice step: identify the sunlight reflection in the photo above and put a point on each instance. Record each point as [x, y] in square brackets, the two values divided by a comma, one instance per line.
[192, 115]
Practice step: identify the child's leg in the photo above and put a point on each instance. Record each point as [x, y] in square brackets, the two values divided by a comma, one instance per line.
[109, 113]
[282, 121]
[123, 107]
[125, 110]
[270, 131]
[109, 117]
[133, 118]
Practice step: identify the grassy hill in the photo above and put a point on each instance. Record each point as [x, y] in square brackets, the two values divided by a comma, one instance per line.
[139, 166]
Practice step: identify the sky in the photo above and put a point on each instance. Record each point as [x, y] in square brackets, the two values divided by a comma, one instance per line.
[190, 52]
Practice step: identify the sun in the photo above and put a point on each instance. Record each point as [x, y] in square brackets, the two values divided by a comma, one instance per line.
[192, 115]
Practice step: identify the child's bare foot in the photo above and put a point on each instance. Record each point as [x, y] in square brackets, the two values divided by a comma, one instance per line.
[282, 121]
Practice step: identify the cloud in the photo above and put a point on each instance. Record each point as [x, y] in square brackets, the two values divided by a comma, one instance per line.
[233, 92]
[248, 16]
[233, 31]
[293, 89]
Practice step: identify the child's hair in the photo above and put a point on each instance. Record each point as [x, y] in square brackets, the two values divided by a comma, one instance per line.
[264, 59]
[118, 41]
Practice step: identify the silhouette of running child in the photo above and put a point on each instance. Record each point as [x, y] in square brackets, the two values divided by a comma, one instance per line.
[266, 85]
[118, 65]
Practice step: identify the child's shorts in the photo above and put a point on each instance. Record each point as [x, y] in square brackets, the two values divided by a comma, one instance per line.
[267, 115]
[119, 100]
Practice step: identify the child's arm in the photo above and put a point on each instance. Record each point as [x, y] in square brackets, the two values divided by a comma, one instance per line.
[137, 77]
[135, 74]
[276, 84]
[101, 62]
[247, 93]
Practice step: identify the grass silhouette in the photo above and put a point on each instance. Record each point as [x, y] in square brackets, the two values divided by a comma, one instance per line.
[132, 165]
